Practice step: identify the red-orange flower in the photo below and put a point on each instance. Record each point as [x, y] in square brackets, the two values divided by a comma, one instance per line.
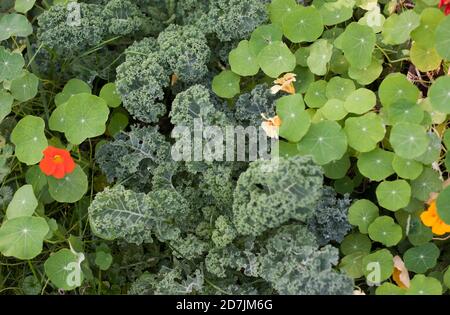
[56, 162]
[446, 5]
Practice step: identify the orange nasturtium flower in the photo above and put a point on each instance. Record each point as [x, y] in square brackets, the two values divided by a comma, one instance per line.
[285, 83]
[431, 219]
[56, 162]
[271, 126]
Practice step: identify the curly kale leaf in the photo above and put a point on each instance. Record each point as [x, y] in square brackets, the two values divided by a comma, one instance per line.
[123, 17]
[56, 32]
[330, 222]
[189, 247]
[235, 19]
[272, 192]
[186, 51]
[141, 80]
[224, 233]
[250, 106]
[132, 156]
[118, 213]
[294, 265]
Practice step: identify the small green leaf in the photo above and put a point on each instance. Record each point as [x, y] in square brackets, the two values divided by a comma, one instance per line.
[72, 87]
[315, 96]
[57, 121]
[443, 205]
[243, 61]
[384, 230]
[433, 152]
[226, 84]
[11, 64]
[275, 59]
[393, 195]
[23, 237]
[23, 6]
[110, 95]
[340, 88]
[360, 101]
[6, 101]
[429, 20]
[364, 132]
[382, 261]
[376, 165]
[64, 270]
[325, 141]
[362, 213]
[333, 110]
[442, 36]
[409, 140]
[264, 35]
[25, 87]
[407, 169]
[425, 184]
[295, 121]
[424, 57]
[303, 24]
[118, 122]
[338, 168]
[422, 285]
[14, 24]
[388, 288]
[336, 12]
[356, 243]
[397, 28]
[358, 44]
[29, 138]
[69, 189]
[319, 56]
[404, 111]
[103, 260]
[352, 264]
[278, 9]
[23, 203]
[85, 117]
[439, 94]
[396, 87]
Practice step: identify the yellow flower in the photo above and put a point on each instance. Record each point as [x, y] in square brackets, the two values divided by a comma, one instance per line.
[285, 83]
[431, 219]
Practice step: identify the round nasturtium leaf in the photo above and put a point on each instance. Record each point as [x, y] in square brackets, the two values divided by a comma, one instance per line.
[421, 258]
[352, 264]
[358, 44]
[335, 12]
[118, 122]
[356, 242]
[378, 266]
[422, 285]
[319, 56]
[366, 75]
[388, 288]
[110, 95]
[264, 35]
[23, 203]
[429, 20]
[384, 230]
[425, 184]
[303, 24]
[14, 24]
[29, 138]
[295, 121]
[72, 87]
[439, 94]
[419, 234]
[338, 63]
[404, 111]
[360, 101]
[275, 59]
[85, 117]
[374, 19]
[325, 141]
[333, 109]
[64, 270]
[443, 205]
[303, 79]
[315, 96]
[376, 165]
[405, 168]
[57, 121]
[442, 36]
[301, 56]
[362, 213]
[340, 88]
[226, 84]
[103, 260]
[278, 9]
[243, 61]
[23, 237]
[69, 189]
[447, 278]
[396, 87]
[11, 64]
[409, 140]
[25, 87]
[36, 178]
[424, 57]
[433, 152]
[393, 195]
[344, 185]
[397, 28]
[364, 132]
[24, 6]
[6, 102]
[338, 168]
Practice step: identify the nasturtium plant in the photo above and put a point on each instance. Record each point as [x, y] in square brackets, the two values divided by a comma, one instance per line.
[296, 120]
[409, 140]
[382, 261]
[376, 165]
[69, 189]
[393, 195]
[364, 132]
[362, 213]
[276, 58]
[14, 24]
[243, 61]
[421, 258]
[226, 84]
[29, 138]
[61, 268]
[11, 64]
[23, 203]
[74, 87]
[384, 230]
[358, 44]
[396, 87]
[303, 24]
[24, 87]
